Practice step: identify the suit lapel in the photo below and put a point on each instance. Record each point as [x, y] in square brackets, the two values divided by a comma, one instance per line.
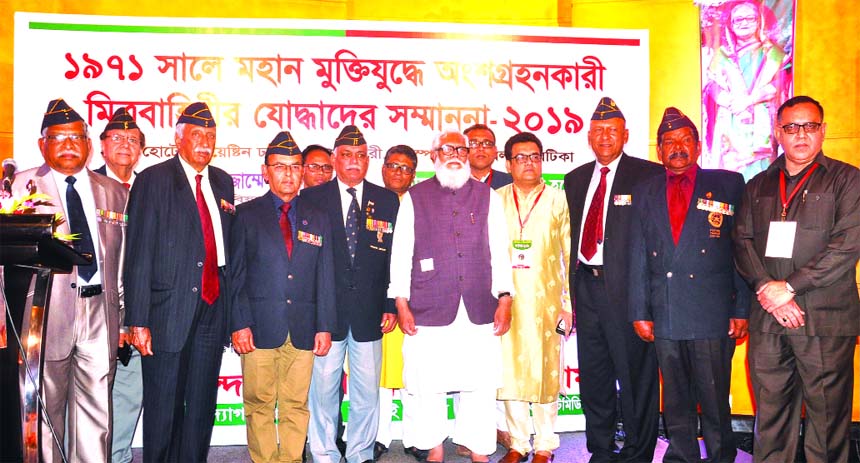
[101, 202]
[185, 196]
[580, 190]
[45, 184]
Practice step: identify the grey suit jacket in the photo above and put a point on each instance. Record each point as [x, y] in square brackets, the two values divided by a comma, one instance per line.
[109, 195]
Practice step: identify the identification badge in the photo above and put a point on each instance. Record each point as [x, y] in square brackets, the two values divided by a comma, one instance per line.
[426, 264]
[622, 200]
[521, 254]
[780, 239]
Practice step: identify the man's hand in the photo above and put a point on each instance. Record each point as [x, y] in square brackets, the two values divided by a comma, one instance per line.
[243, 341]
[773, 294]
[404, 316]
[738, 328]
[789, 315]
[568, 322]
[502, 318]
[124, 338]
[389, 321]
[322, 343]
[644, 329]
[141, 339]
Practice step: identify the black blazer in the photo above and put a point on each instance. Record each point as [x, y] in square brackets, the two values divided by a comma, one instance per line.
[276, 295]
[164, 252]
[615, 235]
[500, 179]
[361, 287]
[690, 290]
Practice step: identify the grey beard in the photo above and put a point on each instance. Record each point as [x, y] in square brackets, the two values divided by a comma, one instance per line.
[453, 179]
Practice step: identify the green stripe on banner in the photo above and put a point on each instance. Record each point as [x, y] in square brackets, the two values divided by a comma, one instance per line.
[229, 415]
[183, 30]
[569, 405]
[553, 180]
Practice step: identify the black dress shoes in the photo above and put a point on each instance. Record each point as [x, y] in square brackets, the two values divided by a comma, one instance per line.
[420, 455]
[378, 450]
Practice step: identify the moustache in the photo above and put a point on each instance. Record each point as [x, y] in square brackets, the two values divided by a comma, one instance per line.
[203, 150]
[678, 154]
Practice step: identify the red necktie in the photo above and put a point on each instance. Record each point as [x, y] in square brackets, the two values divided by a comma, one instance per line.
[592, 233]
[677, 206]
[286, 228]
[126, 185]
[210, 264]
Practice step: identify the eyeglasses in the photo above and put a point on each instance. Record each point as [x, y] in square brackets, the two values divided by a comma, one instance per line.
[327, 168]
[808, 127]
[744, 19]
[60, 138]
[122, 139]
[360, 155]
[280, 167]
[450, 151]
[522, 158]
[478, 144]
[403, 168]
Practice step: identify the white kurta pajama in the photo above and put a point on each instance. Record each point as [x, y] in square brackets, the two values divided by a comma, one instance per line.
[460, 357]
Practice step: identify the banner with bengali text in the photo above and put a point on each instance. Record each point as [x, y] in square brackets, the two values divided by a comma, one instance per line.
[400, 83]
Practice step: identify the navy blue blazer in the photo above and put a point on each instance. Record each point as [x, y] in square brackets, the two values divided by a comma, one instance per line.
[615, 235]
[361, 287]
[164, 252]
[500, 179]
[690, 290]
[276, 295]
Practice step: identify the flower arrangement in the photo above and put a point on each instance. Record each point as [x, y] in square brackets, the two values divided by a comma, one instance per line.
[27, 205]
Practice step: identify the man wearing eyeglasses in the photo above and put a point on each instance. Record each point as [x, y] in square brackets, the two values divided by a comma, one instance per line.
[177, 288]
[362, 217]
[451, 279]
[482, 154]
[283, 303]
[539, 227]
[318, 168]
[122, 140]
[797, 241]
[398, 172]
[82, 330]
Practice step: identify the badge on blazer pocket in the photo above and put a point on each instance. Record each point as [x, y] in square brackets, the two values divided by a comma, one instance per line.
[310, 238]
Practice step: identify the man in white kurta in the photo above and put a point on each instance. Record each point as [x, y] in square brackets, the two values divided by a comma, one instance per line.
[451, 243]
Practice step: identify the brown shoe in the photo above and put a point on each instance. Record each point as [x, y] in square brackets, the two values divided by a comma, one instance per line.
[543, 458]
[503, 438]
[462, 450]
[513, 457]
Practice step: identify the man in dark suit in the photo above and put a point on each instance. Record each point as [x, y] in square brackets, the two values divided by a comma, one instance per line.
[122, 140]
[797, 239]
[482, 154]
[362, 217]
[178, 294]
[685, 295]
[608, 349]
[82, 329]
[283, 310]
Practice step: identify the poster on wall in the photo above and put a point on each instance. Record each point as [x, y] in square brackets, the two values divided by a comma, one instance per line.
[400, 83]
[747, 68]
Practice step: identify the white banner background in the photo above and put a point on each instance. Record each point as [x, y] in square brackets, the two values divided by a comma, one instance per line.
[400, 83]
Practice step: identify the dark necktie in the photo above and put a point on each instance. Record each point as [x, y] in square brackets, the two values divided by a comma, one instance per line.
[210, 286]
[286, 228]
[352, 225]
[592, 232]
[78, 225]
[677, 206]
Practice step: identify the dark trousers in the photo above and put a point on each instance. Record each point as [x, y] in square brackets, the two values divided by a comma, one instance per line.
[817, 371]
[180, 390]
[697, 372]
[610, 351]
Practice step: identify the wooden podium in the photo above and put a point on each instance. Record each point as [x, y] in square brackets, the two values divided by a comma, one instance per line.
[29, 257]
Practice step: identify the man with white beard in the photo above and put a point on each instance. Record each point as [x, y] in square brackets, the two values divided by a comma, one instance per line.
[452, 284]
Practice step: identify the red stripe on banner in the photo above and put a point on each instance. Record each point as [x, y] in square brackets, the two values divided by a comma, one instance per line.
[501, 38]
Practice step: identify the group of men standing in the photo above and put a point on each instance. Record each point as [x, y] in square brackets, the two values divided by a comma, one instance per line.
[466, 282]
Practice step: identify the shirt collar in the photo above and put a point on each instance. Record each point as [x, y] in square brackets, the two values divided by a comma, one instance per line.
[689, 174]
[190, 172]
[613, 166]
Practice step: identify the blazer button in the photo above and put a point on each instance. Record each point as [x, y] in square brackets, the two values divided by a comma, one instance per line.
[654, 253]
[73, 285]
[668, 274]
[290, 276]
[692, 276]
[289, 301]
[194, 289]
[703, 251]
[199, 264]
[459, 254]
[461, 278]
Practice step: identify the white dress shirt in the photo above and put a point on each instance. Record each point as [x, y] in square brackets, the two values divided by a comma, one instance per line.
[597, 259]
[211, 204]
[346, 198]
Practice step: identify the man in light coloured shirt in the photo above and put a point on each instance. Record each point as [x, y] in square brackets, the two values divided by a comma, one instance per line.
[122, 140]
[600, 200]
[82, 331]
[451, 280]
[177, 289]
